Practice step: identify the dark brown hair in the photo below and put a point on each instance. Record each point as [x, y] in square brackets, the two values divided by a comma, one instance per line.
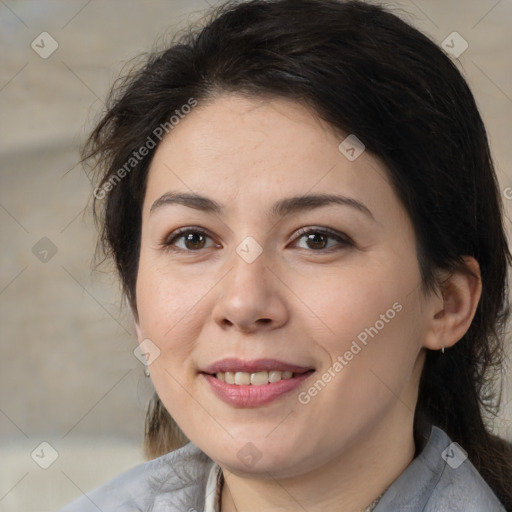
[367, 72]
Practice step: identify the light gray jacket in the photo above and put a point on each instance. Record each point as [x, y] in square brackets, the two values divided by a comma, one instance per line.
[440, 479]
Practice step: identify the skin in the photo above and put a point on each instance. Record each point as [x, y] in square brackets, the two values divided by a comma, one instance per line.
[297, 301]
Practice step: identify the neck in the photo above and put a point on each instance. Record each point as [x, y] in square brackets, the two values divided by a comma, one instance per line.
[354, 479]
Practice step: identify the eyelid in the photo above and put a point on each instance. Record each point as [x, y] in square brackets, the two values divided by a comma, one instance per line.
[185, 229]
[180, 231]
[340, 237]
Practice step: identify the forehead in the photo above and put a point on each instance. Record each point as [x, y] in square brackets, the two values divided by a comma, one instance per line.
[260, 150]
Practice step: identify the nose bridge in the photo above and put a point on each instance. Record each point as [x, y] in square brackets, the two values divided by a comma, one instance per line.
[250, 294]
[249, 272]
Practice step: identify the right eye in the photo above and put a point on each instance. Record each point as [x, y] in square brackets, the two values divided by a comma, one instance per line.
[193, 240]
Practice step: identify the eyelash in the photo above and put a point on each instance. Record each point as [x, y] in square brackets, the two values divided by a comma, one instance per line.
[339, 237]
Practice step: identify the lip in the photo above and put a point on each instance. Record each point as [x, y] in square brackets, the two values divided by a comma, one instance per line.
[250, 395]
[233, 364]
[253, 396]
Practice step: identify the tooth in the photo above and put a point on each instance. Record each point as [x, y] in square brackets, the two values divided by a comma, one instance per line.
[242, 378]
[274, 376]
[255, 379]
[259, 378]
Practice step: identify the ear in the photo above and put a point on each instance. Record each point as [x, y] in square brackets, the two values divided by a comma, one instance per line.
[454, 310]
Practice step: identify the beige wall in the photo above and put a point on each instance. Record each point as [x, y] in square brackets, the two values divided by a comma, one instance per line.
[67, 372]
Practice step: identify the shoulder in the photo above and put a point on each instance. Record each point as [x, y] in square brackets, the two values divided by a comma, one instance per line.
[460, 486]
[440, 479]
[175, 481]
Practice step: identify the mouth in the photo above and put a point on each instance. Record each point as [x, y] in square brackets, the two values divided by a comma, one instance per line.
[260, 378]
[253, 383]
[258, 372]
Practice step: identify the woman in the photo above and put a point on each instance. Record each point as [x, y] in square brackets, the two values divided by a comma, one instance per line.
[303, 211]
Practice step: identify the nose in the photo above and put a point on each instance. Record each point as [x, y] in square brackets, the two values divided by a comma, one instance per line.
[251, 297]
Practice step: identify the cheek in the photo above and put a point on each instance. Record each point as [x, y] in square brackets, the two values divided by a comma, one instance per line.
[374, 323]
[167, 305]
[356, 299]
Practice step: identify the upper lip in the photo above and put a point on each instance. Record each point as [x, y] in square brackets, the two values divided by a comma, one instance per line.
[253, 366]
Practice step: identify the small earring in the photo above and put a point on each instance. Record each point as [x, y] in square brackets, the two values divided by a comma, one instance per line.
[146, 371]
[442, 350]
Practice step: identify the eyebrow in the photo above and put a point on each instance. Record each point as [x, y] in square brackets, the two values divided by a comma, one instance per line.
[281, 208]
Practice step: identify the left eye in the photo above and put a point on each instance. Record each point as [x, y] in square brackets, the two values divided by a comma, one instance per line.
[317, 238]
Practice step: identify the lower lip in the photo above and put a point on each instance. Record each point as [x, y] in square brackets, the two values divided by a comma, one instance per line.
[254, 396]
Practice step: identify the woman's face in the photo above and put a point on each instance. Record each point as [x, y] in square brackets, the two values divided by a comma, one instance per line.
[259, 287]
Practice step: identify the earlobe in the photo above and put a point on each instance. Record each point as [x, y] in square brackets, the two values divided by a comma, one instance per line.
[452, 315]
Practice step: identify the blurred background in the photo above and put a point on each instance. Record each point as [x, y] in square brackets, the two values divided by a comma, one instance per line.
[72, 393]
